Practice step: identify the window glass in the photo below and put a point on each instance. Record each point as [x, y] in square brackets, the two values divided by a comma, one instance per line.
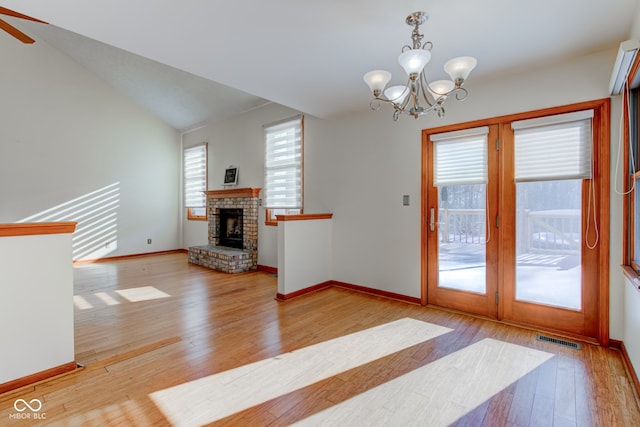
[283, 168]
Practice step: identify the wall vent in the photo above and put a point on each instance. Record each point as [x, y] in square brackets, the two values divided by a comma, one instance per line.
[564, 343]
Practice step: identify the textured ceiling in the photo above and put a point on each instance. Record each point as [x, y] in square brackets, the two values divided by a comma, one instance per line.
[309, 56]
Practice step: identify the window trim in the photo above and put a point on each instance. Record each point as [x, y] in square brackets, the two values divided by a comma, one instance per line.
[269, 217]
[194, 217]
[630, 268]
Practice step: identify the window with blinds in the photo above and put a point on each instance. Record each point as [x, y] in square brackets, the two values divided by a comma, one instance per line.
[460, 157]
[195, 180]
[553, 147]
[283, 164]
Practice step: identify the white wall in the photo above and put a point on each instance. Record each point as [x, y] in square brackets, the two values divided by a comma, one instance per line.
[304, 254]
[631, 336]
[376, 161]
[43, 339]
[359, 166]
[65, 134]
[240, 142]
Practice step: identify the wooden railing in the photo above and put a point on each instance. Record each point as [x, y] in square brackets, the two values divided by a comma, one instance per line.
[462, 225]
[550, 231]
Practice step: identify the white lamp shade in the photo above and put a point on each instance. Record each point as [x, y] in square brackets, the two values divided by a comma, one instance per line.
[377, 80]
[440, 88]
[459, 68]
[414, 60]
[396, 94]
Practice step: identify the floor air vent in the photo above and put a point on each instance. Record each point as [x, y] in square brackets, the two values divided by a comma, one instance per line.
[558, 341]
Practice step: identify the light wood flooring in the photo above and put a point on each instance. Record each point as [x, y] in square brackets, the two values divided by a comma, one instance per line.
[164, 342]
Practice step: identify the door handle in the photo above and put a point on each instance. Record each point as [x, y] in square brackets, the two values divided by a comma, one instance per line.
[432, 220]
[432, 224]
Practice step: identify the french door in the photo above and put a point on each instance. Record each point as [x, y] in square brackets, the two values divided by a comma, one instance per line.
[462, 253]
[525, 240]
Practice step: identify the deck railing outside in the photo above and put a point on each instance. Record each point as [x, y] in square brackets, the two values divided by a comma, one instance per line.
[550, 231]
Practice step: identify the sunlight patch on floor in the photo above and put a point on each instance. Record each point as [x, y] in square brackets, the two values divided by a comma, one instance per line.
[127, 413]
[81, 303]
[114, 297]
[106, 298]
[143, 293]
[439, 393]
[217, 396]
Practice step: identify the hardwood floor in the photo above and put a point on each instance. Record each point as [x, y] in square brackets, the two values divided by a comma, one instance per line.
[164, 342]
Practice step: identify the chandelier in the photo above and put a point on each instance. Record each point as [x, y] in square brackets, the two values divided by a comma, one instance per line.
[407, 99]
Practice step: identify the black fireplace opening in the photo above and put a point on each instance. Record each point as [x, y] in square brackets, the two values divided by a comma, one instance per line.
[231, 228]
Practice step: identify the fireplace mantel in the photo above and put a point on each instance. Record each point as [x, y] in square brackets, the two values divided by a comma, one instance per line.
[233, 193]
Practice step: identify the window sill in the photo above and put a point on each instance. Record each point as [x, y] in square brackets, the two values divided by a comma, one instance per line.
[197, 218]
[632, 276]
[271, 223]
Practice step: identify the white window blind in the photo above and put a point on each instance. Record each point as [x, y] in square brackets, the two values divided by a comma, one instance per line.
[283, 164]
[460, 157]
[554, 147]
[195, 176]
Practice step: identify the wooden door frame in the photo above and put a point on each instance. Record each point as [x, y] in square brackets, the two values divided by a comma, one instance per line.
[479, 304]
[601, 136]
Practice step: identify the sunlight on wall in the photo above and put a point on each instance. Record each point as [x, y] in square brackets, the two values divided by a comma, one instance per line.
[439, 393]
[100, 299]
[217, 396]
[96, 213]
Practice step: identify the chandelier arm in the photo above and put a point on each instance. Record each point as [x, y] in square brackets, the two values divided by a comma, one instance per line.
[376, 102]
[461, 94]
[425, 85]
[415, 95]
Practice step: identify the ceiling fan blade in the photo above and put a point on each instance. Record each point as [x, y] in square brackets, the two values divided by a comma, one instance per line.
[9, 12]
[16, 33]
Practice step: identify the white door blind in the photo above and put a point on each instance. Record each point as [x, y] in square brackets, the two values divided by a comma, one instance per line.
[460, 157]
[195, 176]
[554, 147]
[283, 165]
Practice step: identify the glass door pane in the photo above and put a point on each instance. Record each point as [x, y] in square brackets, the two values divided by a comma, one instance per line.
[462, 238]
[548, 243]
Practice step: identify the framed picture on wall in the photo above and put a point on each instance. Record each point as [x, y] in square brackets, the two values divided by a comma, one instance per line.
[231, 176]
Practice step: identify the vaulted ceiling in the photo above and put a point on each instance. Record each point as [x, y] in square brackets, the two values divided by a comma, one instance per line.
[195, 61]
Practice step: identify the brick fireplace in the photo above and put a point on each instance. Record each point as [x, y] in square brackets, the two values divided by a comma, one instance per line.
[232, 217]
